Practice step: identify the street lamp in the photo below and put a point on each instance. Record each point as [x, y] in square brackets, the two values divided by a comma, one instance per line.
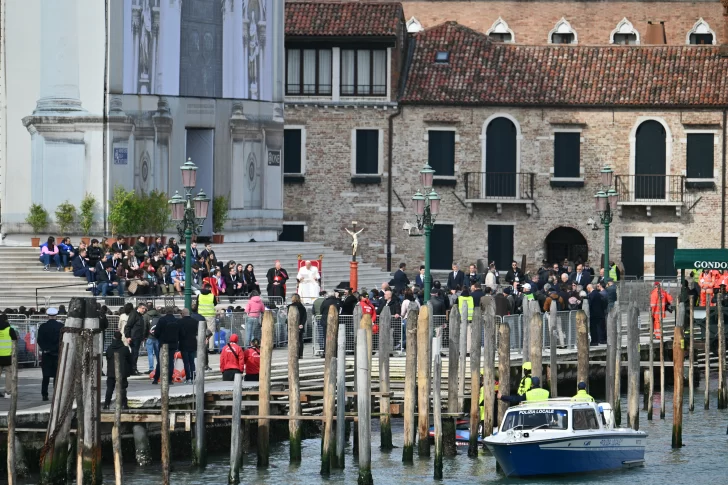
[189, 213]
[605, 201]
[427, 207]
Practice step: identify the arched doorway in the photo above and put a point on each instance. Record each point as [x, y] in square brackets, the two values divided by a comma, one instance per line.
[501, 158]
[650, 163]
[566, 242]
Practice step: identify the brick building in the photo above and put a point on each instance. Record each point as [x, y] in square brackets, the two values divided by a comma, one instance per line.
[518, 133]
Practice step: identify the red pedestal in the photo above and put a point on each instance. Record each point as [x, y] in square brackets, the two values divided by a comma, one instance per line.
[354, 275]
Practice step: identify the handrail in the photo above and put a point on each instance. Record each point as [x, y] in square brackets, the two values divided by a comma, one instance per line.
[499, 185]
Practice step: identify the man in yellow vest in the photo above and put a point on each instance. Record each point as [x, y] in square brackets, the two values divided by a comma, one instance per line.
[481, 401]
[206, 307]
[535, 394]
[581, 394]
[7, 335]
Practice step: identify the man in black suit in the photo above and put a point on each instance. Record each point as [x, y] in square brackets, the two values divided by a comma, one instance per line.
[81, 267]
[400, 279]
[120, 245]
[193, 251]
[473, 276]
[597, 323]
[514, 275]
[107, 281]
[580, 277]
[476, 293]
[455, 278]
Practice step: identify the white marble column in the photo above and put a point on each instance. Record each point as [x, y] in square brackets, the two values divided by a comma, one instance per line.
[170, 13]
[59, 90]
[238, 52]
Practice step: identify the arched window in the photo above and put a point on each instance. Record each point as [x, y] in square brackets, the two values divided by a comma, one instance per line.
[562, 33]
[501, 158]
[625, 34]
[500, 32]
[701, 33]
[650, 162]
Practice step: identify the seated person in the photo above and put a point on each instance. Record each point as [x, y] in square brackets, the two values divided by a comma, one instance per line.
[82, 268]
[164, 281]
[95, 253]
[108, 282]
[178, 279]
[67, 252]
[49, 252]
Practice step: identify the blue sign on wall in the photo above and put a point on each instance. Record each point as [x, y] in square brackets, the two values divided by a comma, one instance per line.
[120, 156]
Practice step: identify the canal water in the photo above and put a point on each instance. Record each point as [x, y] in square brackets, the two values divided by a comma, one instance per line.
[702, 460]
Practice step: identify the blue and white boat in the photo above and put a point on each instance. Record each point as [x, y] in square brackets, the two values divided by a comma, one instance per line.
[558, 437]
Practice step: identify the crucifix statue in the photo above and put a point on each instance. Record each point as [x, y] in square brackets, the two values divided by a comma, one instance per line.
[355, 240]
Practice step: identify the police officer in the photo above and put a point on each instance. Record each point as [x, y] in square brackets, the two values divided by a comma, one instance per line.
[481, 403]
[7, 335]
[49, 339]
[534, 394]
[581, 394]
[525, 383]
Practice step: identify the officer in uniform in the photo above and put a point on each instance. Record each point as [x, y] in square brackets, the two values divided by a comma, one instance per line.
[525, 383]
[49, 339]
[534, 394]
[481, 403]
[581, 394]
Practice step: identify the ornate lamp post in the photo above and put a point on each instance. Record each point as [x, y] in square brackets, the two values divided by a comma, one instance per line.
[189, 213]
[427, 206]
[606, 201]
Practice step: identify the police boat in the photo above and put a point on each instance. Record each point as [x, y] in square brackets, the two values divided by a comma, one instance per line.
[561, 436]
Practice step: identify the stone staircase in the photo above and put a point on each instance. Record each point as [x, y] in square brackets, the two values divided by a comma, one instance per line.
[21, 273]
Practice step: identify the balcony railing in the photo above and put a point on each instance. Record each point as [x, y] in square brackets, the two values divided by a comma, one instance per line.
[499, 186]
[651, 189]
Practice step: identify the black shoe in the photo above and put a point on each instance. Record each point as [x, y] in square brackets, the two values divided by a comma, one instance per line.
[136, 373]
[106, 406]
[45, 398]
[155, 382]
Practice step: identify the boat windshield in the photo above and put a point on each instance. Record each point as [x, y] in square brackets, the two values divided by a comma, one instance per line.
[536, 418]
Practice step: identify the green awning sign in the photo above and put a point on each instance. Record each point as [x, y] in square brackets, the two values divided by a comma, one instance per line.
[701, 259]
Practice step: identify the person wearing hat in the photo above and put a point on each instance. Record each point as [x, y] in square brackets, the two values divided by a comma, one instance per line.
[252, 361]
[581, 394]
[49, 339]
[232, 360]
[525, 383]
[534, 394]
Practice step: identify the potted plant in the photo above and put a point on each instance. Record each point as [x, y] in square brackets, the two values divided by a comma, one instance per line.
[37, 218]
[65, 218]
[220, 208]
[86, 219]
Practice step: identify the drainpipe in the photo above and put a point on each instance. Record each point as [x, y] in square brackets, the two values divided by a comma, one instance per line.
[390, 150]
[723, 188]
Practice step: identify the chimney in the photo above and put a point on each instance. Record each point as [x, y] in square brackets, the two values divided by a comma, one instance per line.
[655, 33]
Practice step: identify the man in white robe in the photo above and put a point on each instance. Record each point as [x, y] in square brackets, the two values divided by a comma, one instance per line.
[308, 283]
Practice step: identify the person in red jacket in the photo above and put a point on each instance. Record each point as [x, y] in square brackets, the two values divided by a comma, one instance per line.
[367, 308]
[252, 361]
[232, 360]
[659, 297]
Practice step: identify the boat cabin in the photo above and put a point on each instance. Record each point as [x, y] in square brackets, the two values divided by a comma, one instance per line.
[558, 414]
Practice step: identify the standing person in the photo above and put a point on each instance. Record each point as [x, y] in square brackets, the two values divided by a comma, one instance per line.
[347, 306]
[455, 278]
[302, 317]
[473, 276]
[317, 304]
[658, 308]
[491, 280]
[420, 279]
[409, 303]
[251, 283]
[400, 279]
[252, 361]
[254, 310]
[168, 330]
[206, 307]
[514, 275]
[308, 282]
[232, 360]
[329, 302]
[134, 333]
[7, 335]
[117, 347]
[392, 302]
[151, 318]
[188, 344]
[277, 278]
[597, 309]
[49, 339]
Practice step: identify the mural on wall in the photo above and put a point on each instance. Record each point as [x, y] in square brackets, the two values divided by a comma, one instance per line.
[201, 48]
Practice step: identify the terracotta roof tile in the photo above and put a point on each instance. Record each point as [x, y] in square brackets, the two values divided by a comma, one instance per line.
[347, 19]
[485, 73]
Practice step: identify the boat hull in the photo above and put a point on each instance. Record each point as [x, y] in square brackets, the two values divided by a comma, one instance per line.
[583, 454]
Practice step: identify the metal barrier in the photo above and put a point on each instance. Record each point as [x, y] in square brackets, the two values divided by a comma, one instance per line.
[564, 329]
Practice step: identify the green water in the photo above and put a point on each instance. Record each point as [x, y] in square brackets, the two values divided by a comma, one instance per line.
[701, 461]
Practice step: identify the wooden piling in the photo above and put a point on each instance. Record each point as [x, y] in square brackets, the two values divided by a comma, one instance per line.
[463, 356]
[54, 462]
[437, 405]
[618, 367]
[423, 376]
[448, 423]
[691, 358]
[611, 355]
[504, 364]
[476, 328]
[21, 464]
[12, 457]
[708, 297]
[116, 430]
[364, 412]
[662, 353]
[266, 355]
[91, 397]
[633, 371]
[142, 450]
[357, 318]
[385, 347]
[341, 398]
[164, 383]
[722, 396]
[536, 347]
[294, 395]
[329, 448]
[678, 359]
[236, 440]
[199, 440]
[582, 348]
[647, 396]
[410, 384]
[651, 366]
[553, 357]
[487, 305]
